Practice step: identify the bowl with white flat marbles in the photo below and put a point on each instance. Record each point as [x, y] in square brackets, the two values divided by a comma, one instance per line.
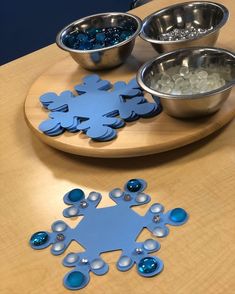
[191, 82]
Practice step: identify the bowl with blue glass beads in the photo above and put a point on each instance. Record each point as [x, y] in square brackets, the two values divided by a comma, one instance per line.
[100, 41]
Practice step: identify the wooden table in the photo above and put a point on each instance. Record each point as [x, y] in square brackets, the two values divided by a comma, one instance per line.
[199, 257]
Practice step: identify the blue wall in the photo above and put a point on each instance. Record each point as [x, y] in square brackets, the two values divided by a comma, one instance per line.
[26, 26]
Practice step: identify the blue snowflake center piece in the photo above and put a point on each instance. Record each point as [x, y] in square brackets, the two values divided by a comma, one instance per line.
[108, 229]
[98, 110]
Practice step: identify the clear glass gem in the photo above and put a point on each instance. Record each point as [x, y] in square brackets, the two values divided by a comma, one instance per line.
[150, 244]
[175, 77]
[166, 79]
[93, 196]
[97, 264]
[202, 74]
[124, 261]
[160, 231]
[141, 197]
[59, 226]
[117, 193]
[166, 89]
[58, 246]
[72, 211]
[184, 70]
[156, 208]
[71, 258]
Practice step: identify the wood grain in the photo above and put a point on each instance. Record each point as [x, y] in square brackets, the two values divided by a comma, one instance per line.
[199, 257]
[142, 137]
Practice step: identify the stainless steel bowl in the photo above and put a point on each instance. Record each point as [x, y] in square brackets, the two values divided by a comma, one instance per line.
[107, 57]
[201, 14]
[189, 106]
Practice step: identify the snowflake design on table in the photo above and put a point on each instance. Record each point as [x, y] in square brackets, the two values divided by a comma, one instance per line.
[97, 110]
[109, 229]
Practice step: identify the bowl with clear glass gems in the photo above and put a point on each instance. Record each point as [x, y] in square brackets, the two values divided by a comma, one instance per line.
[191, 82]
[184, 25]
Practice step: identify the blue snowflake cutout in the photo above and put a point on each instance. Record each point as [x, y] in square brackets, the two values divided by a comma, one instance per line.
[108, 229]
[98, 109]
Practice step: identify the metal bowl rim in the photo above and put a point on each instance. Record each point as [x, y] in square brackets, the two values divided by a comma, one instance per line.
[64, 47]
[215, 29]
[141, 70]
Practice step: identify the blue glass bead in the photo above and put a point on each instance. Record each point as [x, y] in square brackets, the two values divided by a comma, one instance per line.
[178, 215]
[134, 185]
[75, 279]
[100, 37]
[116, 35]
[114, 42]
[117, 30]
[82, 37]
[39, 238]
[91, 31]
[98, 45]
[76, 45]
[147, 265]
[69, 40]
[76, 195]
[85, 46]
[107, 41]
[125, 35]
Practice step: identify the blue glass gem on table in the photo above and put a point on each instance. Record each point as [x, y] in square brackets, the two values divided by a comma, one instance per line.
[147, 265]
[134, 185]
[76, 195]
[97, 38]
[98, 109]
[109, 229]
[39, 238]
[178, 215]
[75, 280]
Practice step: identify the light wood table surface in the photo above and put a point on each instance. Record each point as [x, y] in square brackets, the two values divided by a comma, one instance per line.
[199, 257]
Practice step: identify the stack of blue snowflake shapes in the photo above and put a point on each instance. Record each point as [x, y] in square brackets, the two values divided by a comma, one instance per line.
[98, 110]
[108, 229]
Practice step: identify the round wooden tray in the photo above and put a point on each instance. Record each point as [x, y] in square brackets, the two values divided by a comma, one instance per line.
[142, 137]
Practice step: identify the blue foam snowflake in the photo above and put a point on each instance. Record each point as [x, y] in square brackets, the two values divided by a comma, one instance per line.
[108, 229]
[97, 110]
